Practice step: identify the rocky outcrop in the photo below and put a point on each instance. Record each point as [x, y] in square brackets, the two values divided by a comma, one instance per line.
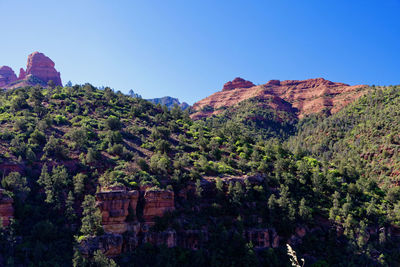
[42, 67]
[157, 202]
[22, 74]
[307, 96]
[6, 208]
[39, 70]
[119, 207]
[237, 83]
[7, 76]
[124, 229]
[115, 207]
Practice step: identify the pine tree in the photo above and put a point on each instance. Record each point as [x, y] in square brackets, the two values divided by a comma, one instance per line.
[304, 211]
[69, 207]
[91, 220]
[79, 183]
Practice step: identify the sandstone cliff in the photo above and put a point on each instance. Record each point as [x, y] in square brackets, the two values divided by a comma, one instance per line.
[307, 96]
[237, 83]
[42, 67]
[127, 224]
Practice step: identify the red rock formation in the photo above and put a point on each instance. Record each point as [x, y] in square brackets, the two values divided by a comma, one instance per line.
[6, 208]
[315, 95]
[22, 74]
[115, 207]
[7, 76]
[308, 96]
[42, 67]
[237, 83]
[157, 202]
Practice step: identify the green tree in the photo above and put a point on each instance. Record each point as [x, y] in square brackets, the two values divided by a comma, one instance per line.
[79, 137]
[16, 183]
[79, 183]
[69, 207]
[100, 260]
[113, 123]
[91, 220]
[92, 155]
[54, 184]
[304, 211]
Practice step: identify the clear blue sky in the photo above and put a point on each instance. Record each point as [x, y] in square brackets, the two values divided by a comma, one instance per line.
[189, 49]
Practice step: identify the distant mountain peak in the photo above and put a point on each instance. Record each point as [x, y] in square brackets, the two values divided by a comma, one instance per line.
[169, 102]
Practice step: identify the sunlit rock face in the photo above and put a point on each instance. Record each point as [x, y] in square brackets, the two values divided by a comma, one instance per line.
[115, 207]
[157, 202]
[42, 67]
[306, 97]
[237, 83]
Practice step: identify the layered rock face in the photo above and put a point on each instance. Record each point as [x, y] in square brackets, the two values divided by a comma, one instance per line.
[307, 96]
[124, 228]
[39, 70]
[7, 76]
[315, 95]
[115, 207]
[6, 209]
[42, 67]
[237, 83]
[156, 204]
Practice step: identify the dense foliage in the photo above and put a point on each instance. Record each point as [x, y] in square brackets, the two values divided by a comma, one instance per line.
[59, 145]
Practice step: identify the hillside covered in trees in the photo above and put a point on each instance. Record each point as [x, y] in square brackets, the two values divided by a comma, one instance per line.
[243, 183]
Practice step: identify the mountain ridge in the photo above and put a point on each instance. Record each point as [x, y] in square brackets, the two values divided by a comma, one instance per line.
[308, 96]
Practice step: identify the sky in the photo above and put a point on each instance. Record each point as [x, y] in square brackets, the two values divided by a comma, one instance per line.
[189, 49]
